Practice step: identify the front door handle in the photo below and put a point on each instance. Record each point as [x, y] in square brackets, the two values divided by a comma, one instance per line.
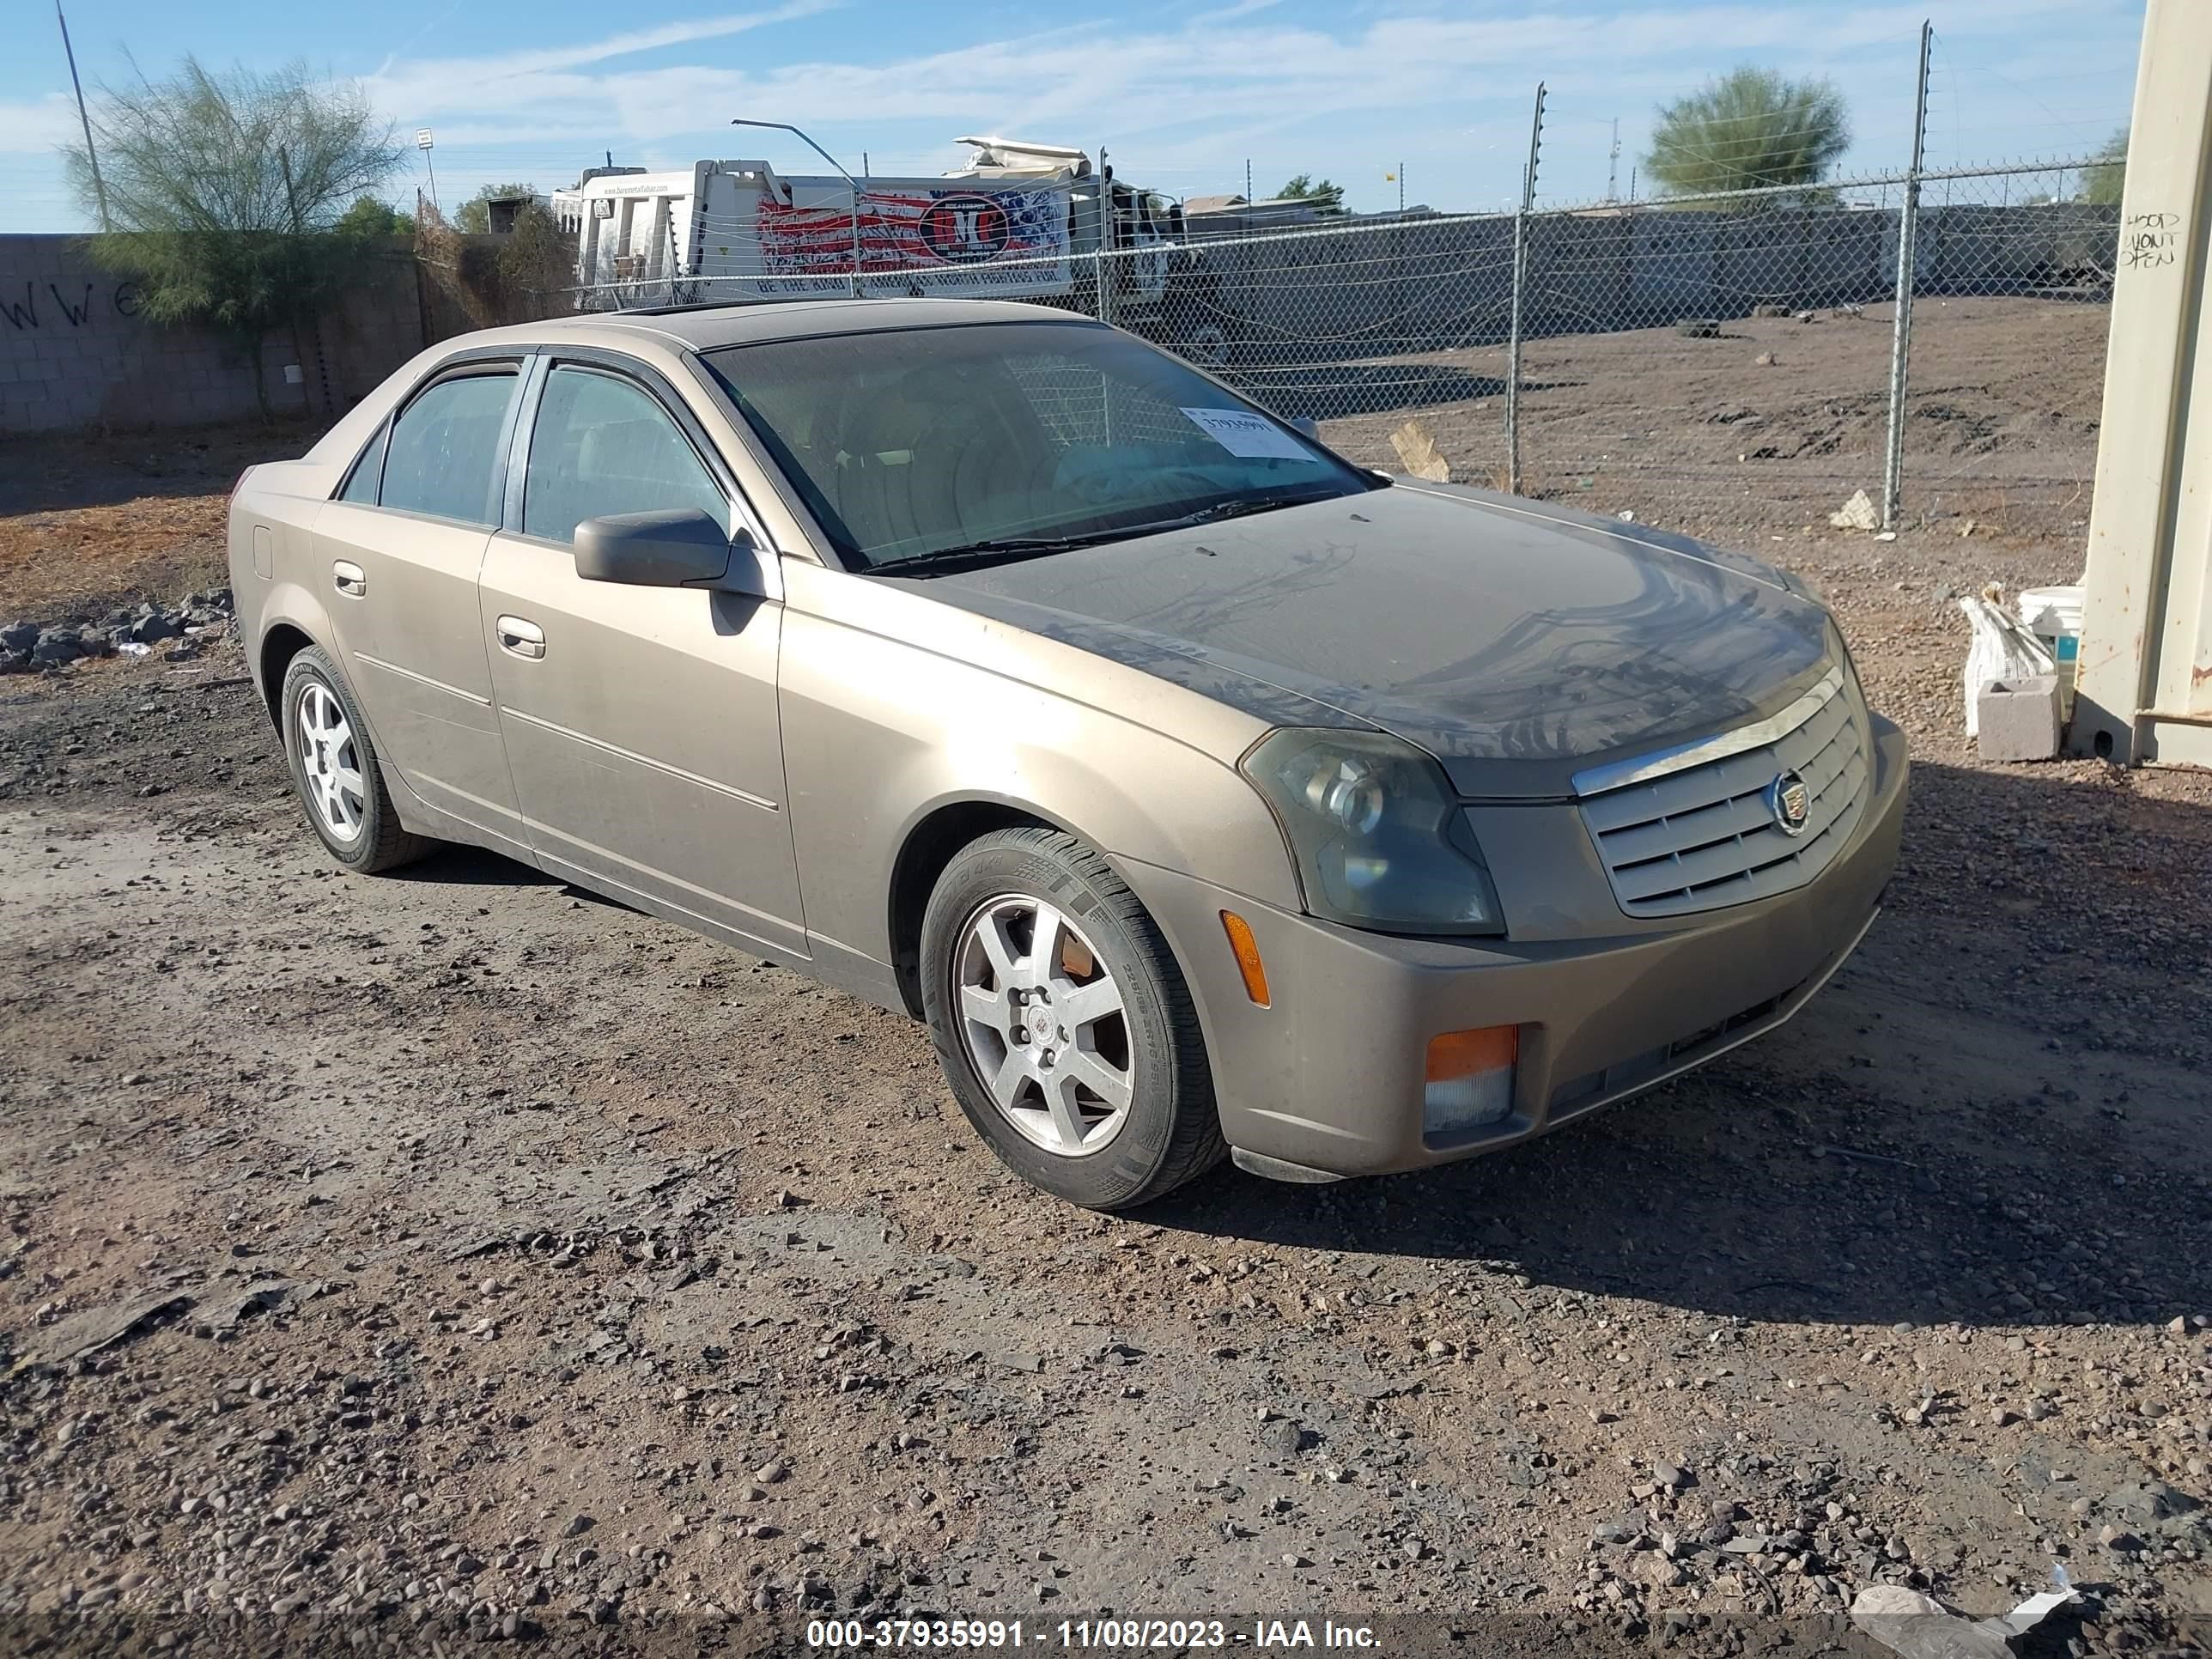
[518, 638]
[350, 578]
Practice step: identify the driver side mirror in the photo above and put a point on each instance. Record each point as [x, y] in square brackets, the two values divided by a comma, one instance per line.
[679, 547]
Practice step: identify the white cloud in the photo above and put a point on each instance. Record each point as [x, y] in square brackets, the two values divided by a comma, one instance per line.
[1220, 69]
[1380, 81]
[37, 125]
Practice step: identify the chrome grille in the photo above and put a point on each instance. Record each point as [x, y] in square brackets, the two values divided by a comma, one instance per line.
[1692, 829]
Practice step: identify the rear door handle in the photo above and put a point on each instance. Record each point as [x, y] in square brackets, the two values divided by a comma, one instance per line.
[350, 578]
[518, 638]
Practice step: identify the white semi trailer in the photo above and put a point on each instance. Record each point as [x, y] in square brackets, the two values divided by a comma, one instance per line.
[1015, 222]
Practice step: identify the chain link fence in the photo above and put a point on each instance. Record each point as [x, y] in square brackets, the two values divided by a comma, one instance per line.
[1725, 364]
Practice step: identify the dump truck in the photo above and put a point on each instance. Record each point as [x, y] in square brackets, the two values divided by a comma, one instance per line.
[1013, 224]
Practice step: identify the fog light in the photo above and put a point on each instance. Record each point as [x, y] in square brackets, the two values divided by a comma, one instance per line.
[1470, 1079]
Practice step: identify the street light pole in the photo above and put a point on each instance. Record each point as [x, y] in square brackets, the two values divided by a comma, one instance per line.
[786, 126]
[91, 154]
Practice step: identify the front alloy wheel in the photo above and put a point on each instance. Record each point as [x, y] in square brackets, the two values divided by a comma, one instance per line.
[1044, 1024]
[1065, 1029]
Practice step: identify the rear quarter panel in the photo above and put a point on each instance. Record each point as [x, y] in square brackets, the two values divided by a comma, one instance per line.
[271, 533]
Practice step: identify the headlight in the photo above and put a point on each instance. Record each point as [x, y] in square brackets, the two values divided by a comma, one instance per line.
[1378, 838]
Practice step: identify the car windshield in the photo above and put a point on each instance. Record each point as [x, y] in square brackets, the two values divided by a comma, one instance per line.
[1011, 438]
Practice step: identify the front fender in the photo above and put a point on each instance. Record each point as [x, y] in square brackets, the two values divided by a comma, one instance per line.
[881, 732]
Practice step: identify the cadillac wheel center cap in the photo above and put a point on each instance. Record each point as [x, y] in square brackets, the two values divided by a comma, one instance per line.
[1791, 799]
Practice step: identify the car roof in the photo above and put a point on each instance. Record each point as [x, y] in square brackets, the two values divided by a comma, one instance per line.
[708, 327]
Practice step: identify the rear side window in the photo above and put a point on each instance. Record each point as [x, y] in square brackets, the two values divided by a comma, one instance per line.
[603, 445]
[367, 472]
[443, 458]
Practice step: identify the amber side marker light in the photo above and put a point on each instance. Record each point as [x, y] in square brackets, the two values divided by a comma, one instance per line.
[1470, 1078]
[1248, 957]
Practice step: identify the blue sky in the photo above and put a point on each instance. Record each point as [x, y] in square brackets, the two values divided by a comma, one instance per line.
[1183, 94]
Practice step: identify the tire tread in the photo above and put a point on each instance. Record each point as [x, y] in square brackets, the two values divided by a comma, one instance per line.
[390, 843]
[1196, 1143]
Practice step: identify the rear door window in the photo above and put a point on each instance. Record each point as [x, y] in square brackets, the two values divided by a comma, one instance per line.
[361, 484]
[443, 458]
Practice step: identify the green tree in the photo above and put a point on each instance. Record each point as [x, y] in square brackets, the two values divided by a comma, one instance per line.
[223, 193]
[2103, 182]
[372, 216]
[1748, 129]
[1328, 199]
[473, 216]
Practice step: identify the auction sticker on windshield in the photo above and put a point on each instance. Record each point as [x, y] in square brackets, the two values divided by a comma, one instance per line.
[1253, 437]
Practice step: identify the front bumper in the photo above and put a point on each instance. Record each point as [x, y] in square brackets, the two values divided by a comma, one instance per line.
[1330, 1078]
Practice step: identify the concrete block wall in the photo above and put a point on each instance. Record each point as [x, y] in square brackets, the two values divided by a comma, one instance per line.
[76, 351]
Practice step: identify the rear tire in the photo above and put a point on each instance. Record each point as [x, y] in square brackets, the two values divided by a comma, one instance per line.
[335, 772]
[1064, 1026]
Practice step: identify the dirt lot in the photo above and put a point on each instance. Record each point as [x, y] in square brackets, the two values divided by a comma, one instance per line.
[1767, 429]
[395, 1261]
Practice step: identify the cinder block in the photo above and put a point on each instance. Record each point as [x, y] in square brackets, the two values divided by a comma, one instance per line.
[2019, 719]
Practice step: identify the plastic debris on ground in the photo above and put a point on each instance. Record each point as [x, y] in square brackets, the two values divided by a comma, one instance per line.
[1857, 513]
[1920, 1627]
[1416, 445]
[2002, 649]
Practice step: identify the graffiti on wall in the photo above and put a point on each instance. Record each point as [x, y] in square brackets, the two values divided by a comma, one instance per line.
[76, 313]
[2149, 241]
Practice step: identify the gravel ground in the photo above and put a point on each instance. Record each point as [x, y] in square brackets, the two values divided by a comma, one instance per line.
[391, 1262]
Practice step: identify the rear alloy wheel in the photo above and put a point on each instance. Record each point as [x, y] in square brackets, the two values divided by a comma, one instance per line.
[330, 760]
[334, 769]
[1063, 1023]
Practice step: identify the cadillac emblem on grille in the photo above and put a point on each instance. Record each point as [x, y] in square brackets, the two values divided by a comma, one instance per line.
[1791, 802]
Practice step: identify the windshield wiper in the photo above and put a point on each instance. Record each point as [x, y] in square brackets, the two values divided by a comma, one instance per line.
[1008, 550]
[1237, 506]
[998, 550]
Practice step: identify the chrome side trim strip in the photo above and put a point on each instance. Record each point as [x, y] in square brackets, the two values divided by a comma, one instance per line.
[730, 790]
[1641, 769]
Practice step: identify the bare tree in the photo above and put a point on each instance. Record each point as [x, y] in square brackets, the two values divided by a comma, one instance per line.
[225, 191]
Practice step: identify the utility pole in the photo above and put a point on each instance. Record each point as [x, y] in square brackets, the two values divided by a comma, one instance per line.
[1900, 346]
[292, 214]
[91, 155]
[1247, 179]
[1612, 165]
[1519, 290]
[1401, 187]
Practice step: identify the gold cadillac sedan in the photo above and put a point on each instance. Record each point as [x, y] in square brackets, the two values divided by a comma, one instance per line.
[1205, 792]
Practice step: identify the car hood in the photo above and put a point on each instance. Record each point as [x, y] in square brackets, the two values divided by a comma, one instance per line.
[1516, 642]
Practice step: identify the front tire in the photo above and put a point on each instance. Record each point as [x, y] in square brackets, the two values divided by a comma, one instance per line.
[1065, 1029]
[334, 769]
